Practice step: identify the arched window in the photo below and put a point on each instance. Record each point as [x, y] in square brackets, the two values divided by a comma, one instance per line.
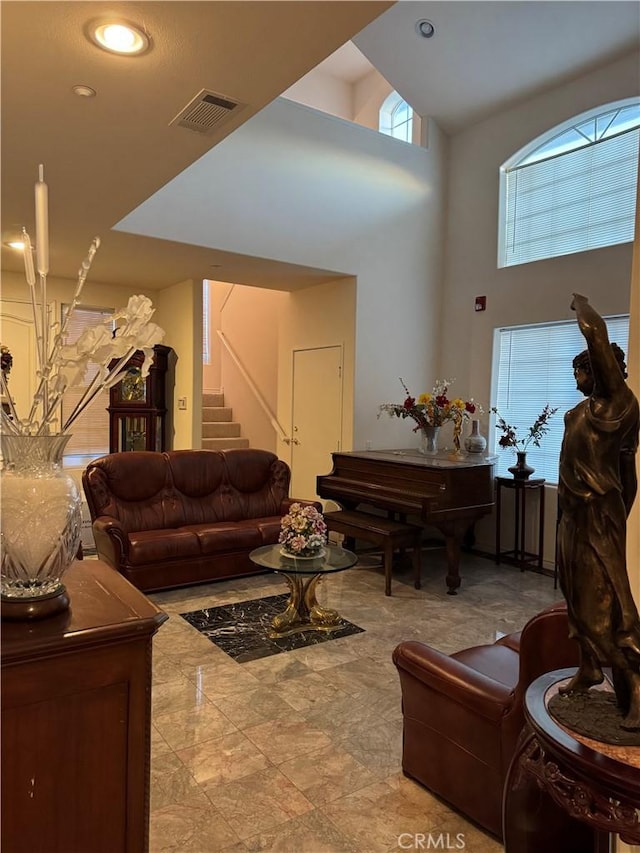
[573, 188]
[396, 118]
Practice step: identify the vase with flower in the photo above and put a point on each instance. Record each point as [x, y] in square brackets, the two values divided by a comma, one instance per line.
[303, 532]
[430, 411]
[509, 438]
[41, 520]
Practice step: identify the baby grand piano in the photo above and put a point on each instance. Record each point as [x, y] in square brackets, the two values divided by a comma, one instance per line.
[448, 495]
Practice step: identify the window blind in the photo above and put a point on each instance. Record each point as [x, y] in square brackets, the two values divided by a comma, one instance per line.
[534, 367]
[579, 200]
[90, 432]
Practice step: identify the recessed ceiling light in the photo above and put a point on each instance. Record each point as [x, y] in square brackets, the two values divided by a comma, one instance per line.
[119, 37]
[83, 91]
[425, 28]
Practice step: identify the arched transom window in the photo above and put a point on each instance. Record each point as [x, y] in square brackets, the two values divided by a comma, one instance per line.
[572, 189]
[396, 118]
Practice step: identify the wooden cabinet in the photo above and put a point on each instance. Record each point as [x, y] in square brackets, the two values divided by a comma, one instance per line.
[137, 405]
[76, 720]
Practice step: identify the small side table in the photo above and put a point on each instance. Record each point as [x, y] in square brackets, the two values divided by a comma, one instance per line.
[565, 791]
[522, 488]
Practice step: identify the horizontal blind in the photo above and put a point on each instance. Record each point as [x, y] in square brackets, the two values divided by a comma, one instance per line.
[90, 432]
[580, 200]
[535, 367]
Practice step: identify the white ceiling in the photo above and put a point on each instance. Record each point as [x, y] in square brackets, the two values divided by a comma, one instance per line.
[106, 155]
[486, 55]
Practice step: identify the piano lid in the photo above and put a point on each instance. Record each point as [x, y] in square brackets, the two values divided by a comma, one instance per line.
[412, 456]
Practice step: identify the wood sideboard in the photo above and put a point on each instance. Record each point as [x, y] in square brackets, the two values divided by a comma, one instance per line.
[76, 720]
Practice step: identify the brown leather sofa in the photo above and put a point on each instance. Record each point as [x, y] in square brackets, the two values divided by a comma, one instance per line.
[185, 516]
[463, 712]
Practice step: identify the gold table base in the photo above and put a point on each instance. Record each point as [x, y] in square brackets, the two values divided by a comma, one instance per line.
[303, 613]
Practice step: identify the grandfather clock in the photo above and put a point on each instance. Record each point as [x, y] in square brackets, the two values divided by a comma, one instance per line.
[137, 405]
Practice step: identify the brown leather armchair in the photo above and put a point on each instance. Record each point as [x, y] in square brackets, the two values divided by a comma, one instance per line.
[463, 712]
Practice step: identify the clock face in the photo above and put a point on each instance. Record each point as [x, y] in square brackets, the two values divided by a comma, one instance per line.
[133, 385]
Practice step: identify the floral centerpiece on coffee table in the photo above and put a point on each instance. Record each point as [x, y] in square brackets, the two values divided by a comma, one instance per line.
[303, 532]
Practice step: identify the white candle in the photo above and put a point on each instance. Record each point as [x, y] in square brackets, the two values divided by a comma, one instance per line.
[42, 224]
[28, 259]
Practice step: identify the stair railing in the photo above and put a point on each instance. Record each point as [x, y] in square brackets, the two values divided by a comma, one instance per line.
[275, 423]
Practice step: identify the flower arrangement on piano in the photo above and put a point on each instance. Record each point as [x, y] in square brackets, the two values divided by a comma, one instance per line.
[432, 409]
[303, 532]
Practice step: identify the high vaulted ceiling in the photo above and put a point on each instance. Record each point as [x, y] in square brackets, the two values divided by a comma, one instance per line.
[104, 156]
[488, 54]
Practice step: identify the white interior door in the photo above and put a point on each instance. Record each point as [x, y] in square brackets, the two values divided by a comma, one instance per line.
[317, 416]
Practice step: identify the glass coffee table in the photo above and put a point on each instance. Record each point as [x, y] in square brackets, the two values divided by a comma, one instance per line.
[303, 575]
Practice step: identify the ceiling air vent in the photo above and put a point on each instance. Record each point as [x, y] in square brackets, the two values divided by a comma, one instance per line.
[205, 112]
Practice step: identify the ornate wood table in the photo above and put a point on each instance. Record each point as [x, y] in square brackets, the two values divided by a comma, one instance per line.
[564, 791]
[76, 720]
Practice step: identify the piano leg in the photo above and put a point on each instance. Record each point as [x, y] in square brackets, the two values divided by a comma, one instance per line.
[453, 533]
[452, 550]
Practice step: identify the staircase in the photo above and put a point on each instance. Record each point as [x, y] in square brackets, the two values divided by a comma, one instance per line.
[219, 432]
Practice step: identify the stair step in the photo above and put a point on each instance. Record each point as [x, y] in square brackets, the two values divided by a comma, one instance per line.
[214, 399]
[221, 430]
[215, 414]
[224, 443]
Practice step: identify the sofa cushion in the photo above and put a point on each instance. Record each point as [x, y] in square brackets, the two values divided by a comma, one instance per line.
[258, 484]
[226, 536]
[199, 482]
[153, 546]
[133, 487]
[269, 529]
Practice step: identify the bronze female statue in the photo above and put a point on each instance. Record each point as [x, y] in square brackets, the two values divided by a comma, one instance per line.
[596, 489]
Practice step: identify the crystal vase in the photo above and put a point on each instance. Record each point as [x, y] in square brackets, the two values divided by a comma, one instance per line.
[39, 527]
[429, 440]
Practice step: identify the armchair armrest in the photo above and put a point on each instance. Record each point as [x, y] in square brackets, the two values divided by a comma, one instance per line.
[112, 543]
[479, 693]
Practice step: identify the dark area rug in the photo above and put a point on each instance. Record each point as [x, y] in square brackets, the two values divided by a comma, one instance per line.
[242, 630]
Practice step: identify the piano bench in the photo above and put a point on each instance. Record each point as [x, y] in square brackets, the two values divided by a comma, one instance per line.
[390, 535]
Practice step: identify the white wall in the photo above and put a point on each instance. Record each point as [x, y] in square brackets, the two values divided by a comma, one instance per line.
[323, 92]
[300, 186]
[529, 293]
[61, 290]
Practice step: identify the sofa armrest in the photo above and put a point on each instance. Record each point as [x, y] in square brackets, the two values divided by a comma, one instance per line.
[112, 543]
[285, 506]
[460, 683]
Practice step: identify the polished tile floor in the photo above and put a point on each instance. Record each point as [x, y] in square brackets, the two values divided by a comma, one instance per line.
[300, 752]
